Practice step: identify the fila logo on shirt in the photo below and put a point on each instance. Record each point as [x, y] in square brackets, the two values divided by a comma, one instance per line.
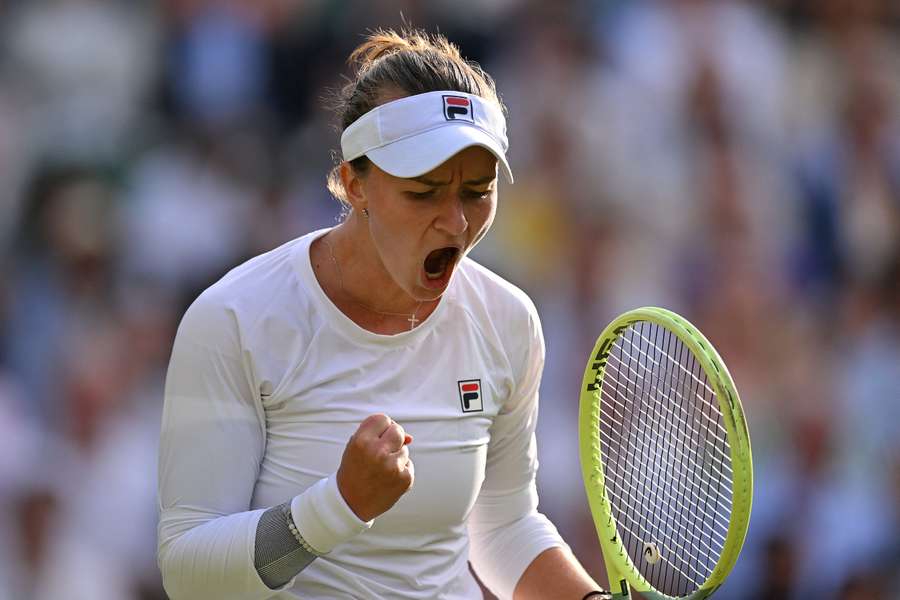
[470, 395]
[458, 108]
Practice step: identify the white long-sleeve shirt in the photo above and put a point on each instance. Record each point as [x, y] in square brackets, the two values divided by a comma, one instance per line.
[268, 380]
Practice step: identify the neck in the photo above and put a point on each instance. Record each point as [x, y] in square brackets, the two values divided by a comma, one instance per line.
[363, 279]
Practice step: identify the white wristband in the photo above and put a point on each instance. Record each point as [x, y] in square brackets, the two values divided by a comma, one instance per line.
[324, 518]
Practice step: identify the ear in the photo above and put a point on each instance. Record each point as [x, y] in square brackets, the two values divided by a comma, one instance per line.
[353, 187]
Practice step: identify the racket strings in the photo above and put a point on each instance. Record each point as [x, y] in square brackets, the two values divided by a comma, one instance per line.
[694, 457]
[654, 497]
[671, 541]
[700, 381]
[666, 457]
[682, 422]
[696, 579]
[686, 506]
[722, 432]
[693, 541]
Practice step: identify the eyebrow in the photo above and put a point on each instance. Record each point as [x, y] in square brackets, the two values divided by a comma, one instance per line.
[433, 183]
[481, 181]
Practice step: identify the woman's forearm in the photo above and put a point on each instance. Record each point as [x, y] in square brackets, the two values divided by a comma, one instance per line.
[555, 573]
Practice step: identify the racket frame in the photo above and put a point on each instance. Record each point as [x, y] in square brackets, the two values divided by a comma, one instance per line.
[620, 569]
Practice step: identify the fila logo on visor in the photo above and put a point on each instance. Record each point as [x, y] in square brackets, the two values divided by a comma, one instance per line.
[470, 395]
[458, 108]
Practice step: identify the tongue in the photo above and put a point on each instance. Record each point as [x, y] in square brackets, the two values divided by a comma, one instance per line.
[437, 260]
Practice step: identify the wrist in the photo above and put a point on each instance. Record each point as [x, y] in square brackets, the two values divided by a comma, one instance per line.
[349, 498]
[323, 518]
[597, 595]
[355, 498]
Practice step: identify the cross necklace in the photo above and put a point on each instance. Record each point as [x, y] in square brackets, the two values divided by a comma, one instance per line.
[413, 321]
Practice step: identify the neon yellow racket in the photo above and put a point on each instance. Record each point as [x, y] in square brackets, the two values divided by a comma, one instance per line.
[665, 454]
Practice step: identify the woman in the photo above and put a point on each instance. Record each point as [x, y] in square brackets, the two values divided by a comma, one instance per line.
[379, 331]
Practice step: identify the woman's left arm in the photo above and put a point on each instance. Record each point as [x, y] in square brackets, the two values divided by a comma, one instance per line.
[555, 573]
[516, 550]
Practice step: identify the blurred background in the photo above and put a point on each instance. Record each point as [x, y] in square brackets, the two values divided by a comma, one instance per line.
[738, 162]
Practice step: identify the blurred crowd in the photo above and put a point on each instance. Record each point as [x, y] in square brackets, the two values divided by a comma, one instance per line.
[735, 161]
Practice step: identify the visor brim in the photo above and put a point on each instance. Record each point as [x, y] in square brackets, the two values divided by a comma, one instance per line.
[424, 152]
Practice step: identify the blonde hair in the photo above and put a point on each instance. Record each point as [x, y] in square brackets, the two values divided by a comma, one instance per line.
[389, 65]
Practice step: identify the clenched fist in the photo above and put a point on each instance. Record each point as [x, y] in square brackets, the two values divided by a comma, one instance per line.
[375, 469]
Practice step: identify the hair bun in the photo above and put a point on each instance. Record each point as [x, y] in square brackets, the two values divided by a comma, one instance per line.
[384, 42]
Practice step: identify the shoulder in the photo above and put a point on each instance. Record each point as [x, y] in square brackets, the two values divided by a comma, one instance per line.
[484, 291]
[503, 312]
[258, 289]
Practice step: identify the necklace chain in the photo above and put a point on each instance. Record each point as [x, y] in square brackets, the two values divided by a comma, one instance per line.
[413, 321]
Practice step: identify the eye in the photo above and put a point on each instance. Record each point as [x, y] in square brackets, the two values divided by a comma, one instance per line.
[477, 194]
[421, 195]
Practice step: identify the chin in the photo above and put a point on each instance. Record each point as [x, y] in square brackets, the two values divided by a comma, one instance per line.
[434, 288]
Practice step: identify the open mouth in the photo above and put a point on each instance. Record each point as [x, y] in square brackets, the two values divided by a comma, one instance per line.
[438, 262]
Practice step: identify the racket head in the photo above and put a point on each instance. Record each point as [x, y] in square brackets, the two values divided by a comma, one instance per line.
[598, 396]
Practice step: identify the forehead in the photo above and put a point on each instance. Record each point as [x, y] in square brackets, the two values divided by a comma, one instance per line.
[473, 162]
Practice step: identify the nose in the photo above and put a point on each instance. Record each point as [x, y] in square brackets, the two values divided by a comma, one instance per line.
[452, 217]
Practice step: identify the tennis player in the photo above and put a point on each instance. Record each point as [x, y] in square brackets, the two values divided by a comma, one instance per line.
[352, 415]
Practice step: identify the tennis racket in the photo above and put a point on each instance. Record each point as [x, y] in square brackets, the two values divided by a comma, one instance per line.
[665, 455]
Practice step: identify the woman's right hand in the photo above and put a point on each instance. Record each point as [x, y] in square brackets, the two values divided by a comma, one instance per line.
[375, 469]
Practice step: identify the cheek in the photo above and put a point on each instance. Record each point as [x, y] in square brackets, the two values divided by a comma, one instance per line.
[389, 240]
[482, 216]
[393, 238]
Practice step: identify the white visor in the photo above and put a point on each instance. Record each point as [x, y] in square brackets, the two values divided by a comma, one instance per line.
[413, 135]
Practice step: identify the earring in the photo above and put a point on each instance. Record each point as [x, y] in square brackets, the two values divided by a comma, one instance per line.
[365, 212]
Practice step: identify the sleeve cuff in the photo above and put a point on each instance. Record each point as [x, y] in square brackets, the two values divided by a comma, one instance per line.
[324, 518]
